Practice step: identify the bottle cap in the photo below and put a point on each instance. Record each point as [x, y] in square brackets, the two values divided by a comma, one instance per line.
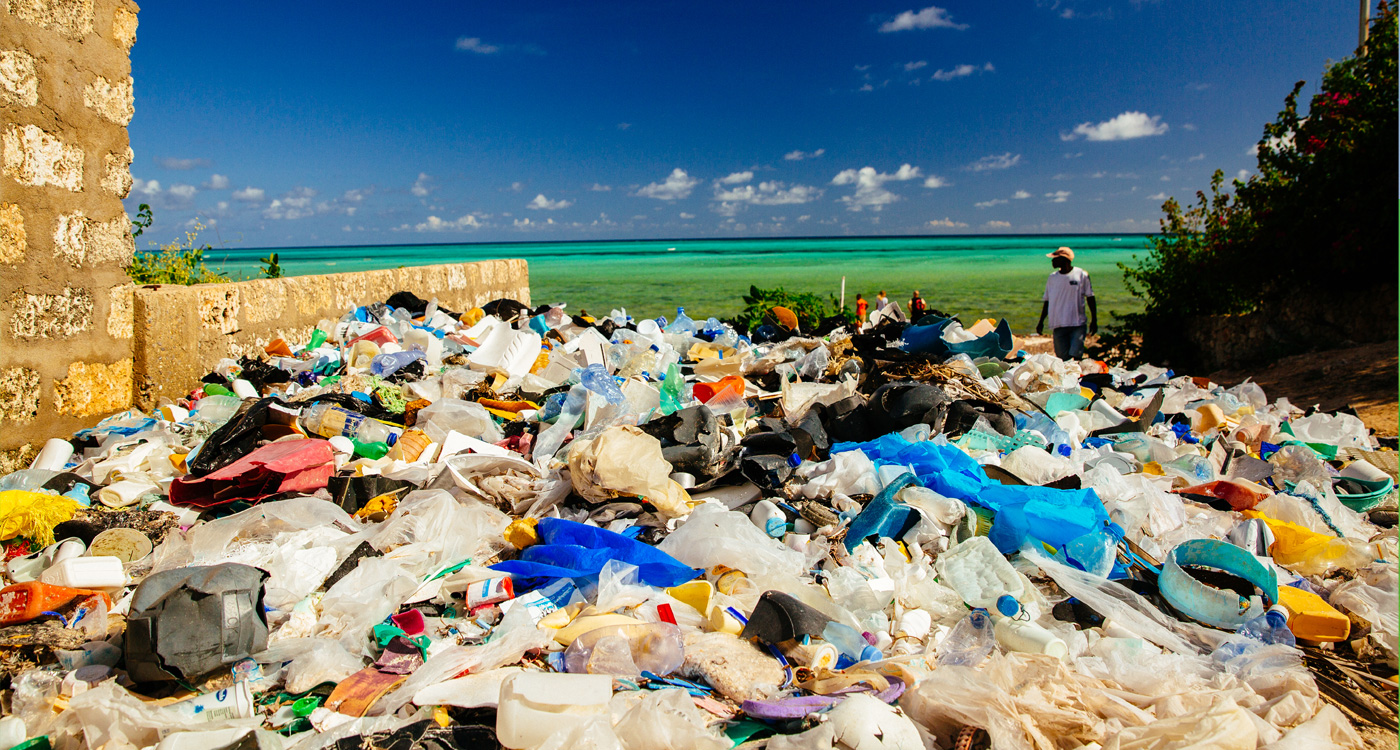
[1008, 606]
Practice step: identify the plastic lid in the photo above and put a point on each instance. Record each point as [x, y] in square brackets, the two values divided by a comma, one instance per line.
[794, 460]
[1277, 615]
[1008, 606]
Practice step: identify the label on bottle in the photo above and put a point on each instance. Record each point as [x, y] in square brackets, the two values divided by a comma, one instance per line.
[337, 421]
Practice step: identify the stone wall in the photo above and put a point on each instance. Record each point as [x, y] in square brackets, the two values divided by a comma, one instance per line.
[65, 101]
[181, 332]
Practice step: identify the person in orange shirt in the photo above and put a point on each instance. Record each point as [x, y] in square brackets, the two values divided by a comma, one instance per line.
[861, 307]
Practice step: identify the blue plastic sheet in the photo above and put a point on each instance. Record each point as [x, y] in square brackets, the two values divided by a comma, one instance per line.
[926, 337]
[574, 550]
[939, 467]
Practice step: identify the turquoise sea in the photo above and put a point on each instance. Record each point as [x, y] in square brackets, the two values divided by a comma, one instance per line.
[974, 277]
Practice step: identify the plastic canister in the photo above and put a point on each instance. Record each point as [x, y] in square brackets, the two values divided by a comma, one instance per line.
[230, 703]
[768, 516]
[1311, 618]
[244, 389]
[54, 456]
[86, 573]
[534, 705]
[127, 545]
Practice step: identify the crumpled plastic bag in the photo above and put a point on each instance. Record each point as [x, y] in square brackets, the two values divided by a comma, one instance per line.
[623, 461]
[665, 720]
[1037, 466]
[451, 414]
[293, 466]
[1371, 596]
[109, 716]
[575, 550]
[1329, 728]
[313, 661]
[366, 596]
[1222, 726]
[507, 482]
[712, 536]
[431, 530]
[848, 473]
[1341, 430]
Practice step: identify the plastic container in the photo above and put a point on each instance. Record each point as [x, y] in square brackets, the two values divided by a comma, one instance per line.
[127, 545]
[22, 602]
[86, 573]
[1270, 628]
[980, 574]
[627, 650]
[971, 640]
[54, 456]
[534, 705]
[328, 420]
[221, 705]
[244, 389]
[1311, 618]
[12, 731]
[767, 516]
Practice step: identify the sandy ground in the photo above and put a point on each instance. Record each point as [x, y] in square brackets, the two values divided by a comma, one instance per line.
[1362, 377]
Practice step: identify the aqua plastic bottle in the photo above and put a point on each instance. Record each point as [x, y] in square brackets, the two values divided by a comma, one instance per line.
[671, 390]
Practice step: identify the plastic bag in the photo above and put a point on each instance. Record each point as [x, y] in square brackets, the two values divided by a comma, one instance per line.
[625, 461]
[1371, 596]
[1037, 466]
[666, 720]
[1222, 726]
[1341, 430]
[466, 417]
[575, 550]
[356, 603]
[714, 536]
[313, 661]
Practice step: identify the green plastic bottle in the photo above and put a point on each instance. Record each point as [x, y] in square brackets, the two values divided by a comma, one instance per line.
[671, 390]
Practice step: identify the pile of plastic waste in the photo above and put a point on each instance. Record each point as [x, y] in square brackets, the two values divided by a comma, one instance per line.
[519, 527]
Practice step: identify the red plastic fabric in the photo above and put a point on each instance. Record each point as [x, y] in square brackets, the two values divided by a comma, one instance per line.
[293, 466]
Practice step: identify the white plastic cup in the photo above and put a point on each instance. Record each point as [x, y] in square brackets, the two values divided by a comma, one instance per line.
[54, 456]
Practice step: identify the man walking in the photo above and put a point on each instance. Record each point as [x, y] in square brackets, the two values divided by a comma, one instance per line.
[1066, 291]
[917, 308]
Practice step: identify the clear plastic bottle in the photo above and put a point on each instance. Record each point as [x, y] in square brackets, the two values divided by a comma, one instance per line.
[644, 361]
[970, 642]
[552, 437]
[682, 324]
[595, 378]
[1270, 628]
[328, 420]
[852, 645]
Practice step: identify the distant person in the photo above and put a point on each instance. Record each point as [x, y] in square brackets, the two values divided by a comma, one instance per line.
[917, 308]
[861, 307]
[881, 300]
[1066, 291]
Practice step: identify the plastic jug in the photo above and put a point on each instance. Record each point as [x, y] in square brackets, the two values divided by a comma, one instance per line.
[1016, 632]
[86, 573]
[627, 650]
[534, 705]
[1311, 618]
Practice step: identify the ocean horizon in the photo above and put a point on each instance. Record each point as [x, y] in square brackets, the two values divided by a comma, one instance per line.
[973, 276]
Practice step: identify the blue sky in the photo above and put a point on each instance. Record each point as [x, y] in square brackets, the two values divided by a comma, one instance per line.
[317, 123]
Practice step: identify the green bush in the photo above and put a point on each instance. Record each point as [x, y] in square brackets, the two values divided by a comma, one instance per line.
[809, 308]
[1315, 218]
[178, 262]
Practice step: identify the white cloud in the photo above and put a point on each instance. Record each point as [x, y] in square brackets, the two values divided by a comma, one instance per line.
[1189, 127]
[685, 215]
[624, 125]
[946, 223]
[434, 224]
[1098, 175]
[934, 181]
[799, 155]
[1021, 195]
[355, 196]
[1274, 143]
[516, 186]
[184, 192]
[250, 194]
[992, 202]
[1124, 127]
[1242, 175]
[961, 71]
[1166, 178]
[541, 202]
[870, 191]
[1059, 196]
[1199, 157]
[1157, 197]
[474, 44]
[772, 193]
[216, 182]
[600, 188]
[145, 187]
[932, 17]
[677, 185]
[294, 204]
[866, 87]
[995, 161]
[736, 178]
[423, 185]
[915, 65]
[862, 68]
[998, 225]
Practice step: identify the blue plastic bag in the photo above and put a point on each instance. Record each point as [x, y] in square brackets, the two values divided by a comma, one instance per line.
[940, 467]
[575, 550]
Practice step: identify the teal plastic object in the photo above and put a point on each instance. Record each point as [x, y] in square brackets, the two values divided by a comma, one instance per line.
[1062, 402]
[926, 337]
[984, 441]
[883, 517]
[1220, 608]
[1366, 501]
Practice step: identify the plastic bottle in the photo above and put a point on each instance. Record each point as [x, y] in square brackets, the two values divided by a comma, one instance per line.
[852, 645]
[570, 413]
[1270, 628]
[385, 365]
[682, 324]
[671, 390]
[644, 361]
[970, 642]
[595, 378]
[328, 420]
[1016, 632]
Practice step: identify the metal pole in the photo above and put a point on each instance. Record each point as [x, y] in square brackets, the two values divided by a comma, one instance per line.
[1365, 25]
[843, 292]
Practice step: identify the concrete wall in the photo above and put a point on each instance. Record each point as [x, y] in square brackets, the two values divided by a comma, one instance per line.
[65, 101]
[181, 332]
